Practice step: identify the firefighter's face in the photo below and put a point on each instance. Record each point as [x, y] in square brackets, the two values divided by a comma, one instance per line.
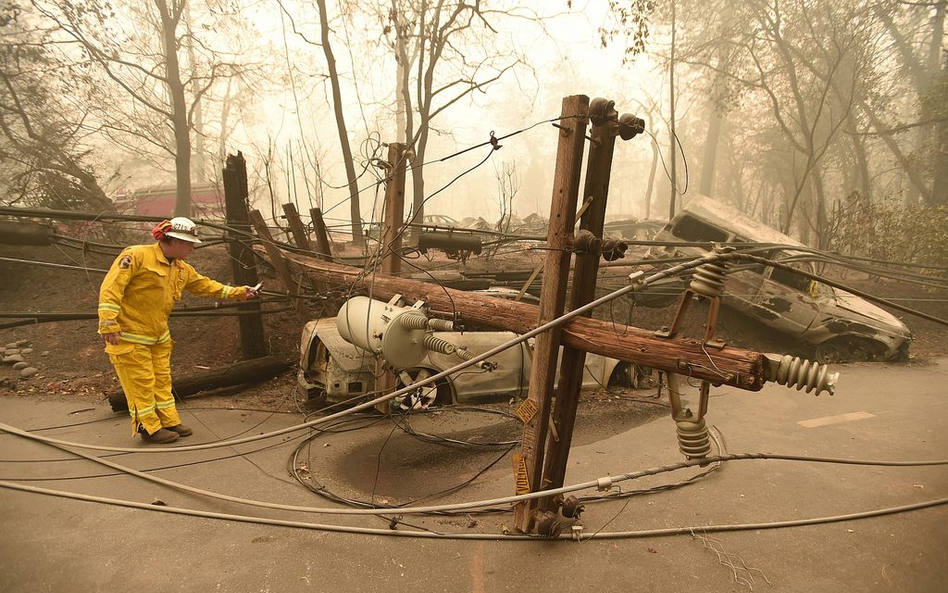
[179, 249]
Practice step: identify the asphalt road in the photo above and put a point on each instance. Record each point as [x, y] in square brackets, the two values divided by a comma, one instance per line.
[892, 412]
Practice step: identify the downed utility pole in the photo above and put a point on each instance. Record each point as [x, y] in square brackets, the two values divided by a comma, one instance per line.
[716, 363]
[535, 410]
[729, 365]
[607, 126]
[542, 464]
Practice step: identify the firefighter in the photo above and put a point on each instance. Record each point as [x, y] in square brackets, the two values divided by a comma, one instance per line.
[135, 299]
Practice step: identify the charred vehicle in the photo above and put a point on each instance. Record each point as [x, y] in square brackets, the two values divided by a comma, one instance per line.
[334, 370]
[839, 326]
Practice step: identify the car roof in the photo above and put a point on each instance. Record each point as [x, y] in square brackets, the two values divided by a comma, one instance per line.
[729, 218]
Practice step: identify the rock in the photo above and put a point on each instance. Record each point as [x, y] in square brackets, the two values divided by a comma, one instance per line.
[13, 358]
[10, 345]
[28, 372]
[11, 351]
[20, 365]
[20, 343]
[44, 353]
[26, 351]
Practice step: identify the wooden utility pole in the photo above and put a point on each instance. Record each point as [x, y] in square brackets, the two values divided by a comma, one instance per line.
[583, 291]
[737, 367]
[535, 410]
[394, 214]
[323, 246]
[276, 258]
[391, 240]
[253, 343]
[296, 226]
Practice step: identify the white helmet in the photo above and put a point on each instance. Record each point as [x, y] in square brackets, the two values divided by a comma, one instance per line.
[184, 229]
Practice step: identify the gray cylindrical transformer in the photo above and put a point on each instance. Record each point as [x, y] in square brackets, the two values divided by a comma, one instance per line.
[375, 326]
[450, 242]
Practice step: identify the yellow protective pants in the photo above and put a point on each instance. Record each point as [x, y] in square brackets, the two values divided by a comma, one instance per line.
[145, 374]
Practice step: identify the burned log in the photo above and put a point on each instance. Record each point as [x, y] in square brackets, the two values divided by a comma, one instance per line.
[245, 371]
[728, 365]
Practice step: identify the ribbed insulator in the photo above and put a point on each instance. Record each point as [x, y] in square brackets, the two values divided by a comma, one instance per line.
[708, 279]
[440, 325]
[464, 354]
[693, 439]
[436, 344]
[413, 321]
[794, 371]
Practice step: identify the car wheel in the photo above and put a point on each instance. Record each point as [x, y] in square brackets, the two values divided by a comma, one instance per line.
[621, 376]
[845, 350]
[630, 375]
[865, 350]
[424, 396]
[903, 354]
[830, 352]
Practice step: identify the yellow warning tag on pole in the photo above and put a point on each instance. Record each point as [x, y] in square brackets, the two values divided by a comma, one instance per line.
[527, 410]
[520, 475]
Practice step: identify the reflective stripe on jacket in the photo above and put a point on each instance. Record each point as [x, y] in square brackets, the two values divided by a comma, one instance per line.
[140, 289]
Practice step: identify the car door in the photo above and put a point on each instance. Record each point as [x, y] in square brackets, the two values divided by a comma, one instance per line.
[744, 281]
[510, 378]
[786, 301]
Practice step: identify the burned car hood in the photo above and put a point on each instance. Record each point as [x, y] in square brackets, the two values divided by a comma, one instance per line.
[878, 316]
[350, 358]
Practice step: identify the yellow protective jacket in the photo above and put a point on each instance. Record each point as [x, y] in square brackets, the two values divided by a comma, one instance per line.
[140, 289]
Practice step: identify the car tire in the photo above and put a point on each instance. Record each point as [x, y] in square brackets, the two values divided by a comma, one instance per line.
[845, 350]
[629, 375]
[829, 352]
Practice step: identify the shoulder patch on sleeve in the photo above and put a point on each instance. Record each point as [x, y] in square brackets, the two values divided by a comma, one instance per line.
[126, 262]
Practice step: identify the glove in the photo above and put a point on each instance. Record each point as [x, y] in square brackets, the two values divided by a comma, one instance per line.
[112, 338]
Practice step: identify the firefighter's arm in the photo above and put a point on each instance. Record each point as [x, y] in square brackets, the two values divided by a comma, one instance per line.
[112, 293]
[204, 286]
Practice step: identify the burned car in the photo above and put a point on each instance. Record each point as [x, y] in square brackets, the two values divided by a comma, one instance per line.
[838, 326]
[334, 370]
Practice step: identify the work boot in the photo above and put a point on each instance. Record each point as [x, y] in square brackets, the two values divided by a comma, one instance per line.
[181, 429]
[163, 435]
